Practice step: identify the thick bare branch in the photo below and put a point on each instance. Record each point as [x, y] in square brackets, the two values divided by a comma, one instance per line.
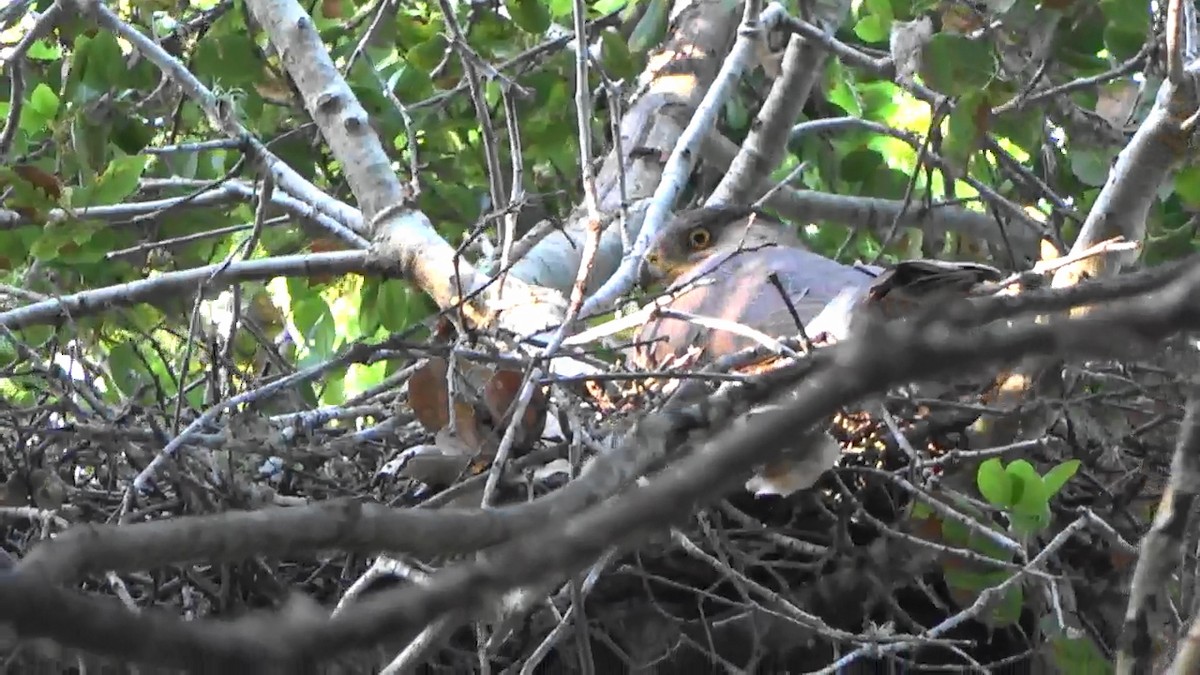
[673, 84]
[402, 237]
[882, 356]
[682, 159]
[803, 65]
[1161, 143]
[170, 286]
[1162, 545]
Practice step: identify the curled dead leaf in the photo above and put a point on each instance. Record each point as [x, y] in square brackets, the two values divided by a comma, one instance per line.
[428, 395]
[475, 424]
[500, 396]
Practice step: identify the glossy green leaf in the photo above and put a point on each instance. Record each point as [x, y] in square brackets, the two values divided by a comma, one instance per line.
[955, 533]
[1091, 165]
[956, 65]
[842, 91]
[369, 318]
[1133, 14]
[101, 62]
[1032, 493]
[651, 28]
[531, 15]
[1187, 185]
[40, 109]
[44, 50]
[132, 135]
[1057, 477]
[616, 57]
[399, 305]
[1007, 609]
[872, 28]
[606, 7]
[119, 180]
[126, 367]
[994, 483]
[1078, 656]
[965, 125]
[429, 53]
[860, 165]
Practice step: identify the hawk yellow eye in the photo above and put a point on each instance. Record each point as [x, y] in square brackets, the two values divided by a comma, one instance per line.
[699, 238]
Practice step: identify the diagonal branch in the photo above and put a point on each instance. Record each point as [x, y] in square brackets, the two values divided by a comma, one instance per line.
[879, 357]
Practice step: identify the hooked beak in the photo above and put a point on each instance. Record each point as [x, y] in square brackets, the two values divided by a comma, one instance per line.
[649, 273]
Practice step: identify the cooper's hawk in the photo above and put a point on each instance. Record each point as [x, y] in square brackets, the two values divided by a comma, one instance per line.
[719, 264]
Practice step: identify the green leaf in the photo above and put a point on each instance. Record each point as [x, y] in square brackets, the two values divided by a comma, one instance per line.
[956, 65]
[531, 16]
[955, 533]
[966, 580]
[1091, 164]
[1187, 185]
[860, 165]
[651, 28]
[872, 29]
[333, 388]
[736, 114]
[880, 8]
[616, 57]
[40, 109]
[1030, 523]
[560, 9]
[429, 53]
[227, 58]
[1007, 610]
[1057, 477]
[994, 483]
[606, 7]
[361, 377]
[126, 367]
[879, 101]
[399, 305]
[1133, 14]
[981, 543]
[964, 127]
[132, 135]
[921, 511]
[410, 83]
[1032, 499]
[315, 321]
[1078, 656]
[1121, 42]
[43, 50]
[119, 180]
[1023, 127]
[876, 25]
[35, 336]
[369, 319]
[842, 92]
[1030, 511]
[102, 62]
[1128, 23]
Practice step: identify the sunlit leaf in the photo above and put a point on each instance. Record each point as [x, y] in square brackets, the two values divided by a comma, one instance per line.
[994, 483]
